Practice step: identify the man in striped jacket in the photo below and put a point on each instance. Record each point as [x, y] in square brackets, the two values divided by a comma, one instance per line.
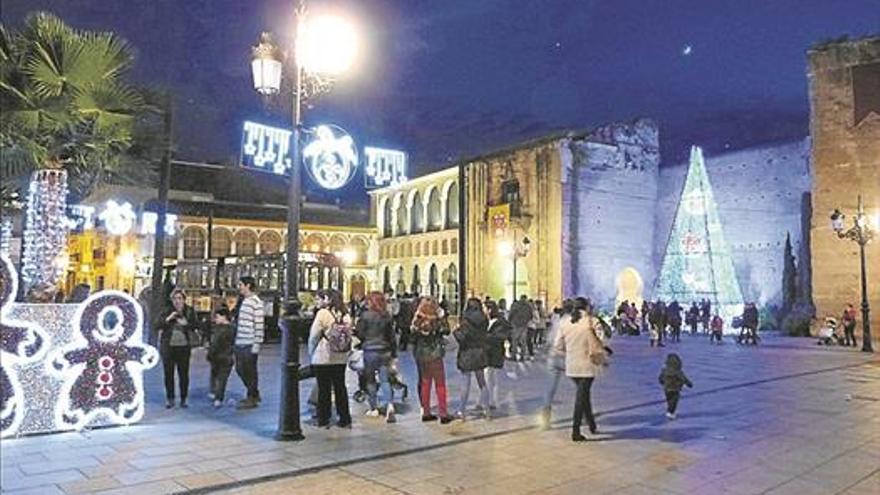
[248, 338]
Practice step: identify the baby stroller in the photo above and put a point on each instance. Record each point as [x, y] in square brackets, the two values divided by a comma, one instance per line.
[395, 378]
[828, 333]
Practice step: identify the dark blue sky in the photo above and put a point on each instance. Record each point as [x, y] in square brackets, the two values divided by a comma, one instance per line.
[448, 78]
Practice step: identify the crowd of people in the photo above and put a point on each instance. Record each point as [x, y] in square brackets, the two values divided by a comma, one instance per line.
[370, 336]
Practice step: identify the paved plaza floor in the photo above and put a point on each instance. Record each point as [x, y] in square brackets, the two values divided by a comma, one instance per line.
[786, 417]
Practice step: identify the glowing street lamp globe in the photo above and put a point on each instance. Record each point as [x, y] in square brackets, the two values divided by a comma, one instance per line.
[326, 45]
[266, 66]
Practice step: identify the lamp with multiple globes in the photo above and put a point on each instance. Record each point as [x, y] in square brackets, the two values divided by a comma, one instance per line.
[324, 46]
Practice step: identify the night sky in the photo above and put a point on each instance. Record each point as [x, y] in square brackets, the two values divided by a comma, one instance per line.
[444, 79]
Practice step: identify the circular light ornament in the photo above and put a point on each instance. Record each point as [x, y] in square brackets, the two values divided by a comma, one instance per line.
[326, 44]
[331, 157]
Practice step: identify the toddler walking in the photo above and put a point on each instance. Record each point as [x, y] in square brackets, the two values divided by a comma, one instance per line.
[673, 380]
[220, 354]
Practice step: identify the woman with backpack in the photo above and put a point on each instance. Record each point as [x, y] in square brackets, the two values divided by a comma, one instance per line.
[329, 347]
[429, 348]
[471, 336]
[375, 330]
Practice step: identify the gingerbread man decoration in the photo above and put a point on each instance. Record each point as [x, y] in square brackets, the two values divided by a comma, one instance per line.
[103, 368]
[20, 343]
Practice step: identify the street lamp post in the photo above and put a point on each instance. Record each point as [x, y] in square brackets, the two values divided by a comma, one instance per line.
[324, 47]
[517, 250]
[862, 233]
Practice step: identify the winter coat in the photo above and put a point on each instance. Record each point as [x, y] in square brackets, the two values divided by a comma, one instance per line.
[577, 341]
[220, 351]
[191, 327]
[672, 377]
[520, 314]
[319, 348]
[750, 317]
[499, 332]
[376, 332]
[428, 340]
[471, 337]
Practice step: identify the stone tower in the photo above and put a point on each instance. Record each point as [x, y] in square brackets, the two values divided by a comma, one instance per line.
[844, 80]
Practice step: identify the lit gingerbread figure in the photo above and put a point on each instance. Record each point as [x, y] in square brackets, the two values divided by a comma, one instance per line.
[20, 343]
[103, 370]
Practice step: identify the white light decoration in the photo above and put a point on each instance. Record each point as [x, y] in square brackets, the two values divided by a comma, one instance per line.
[101, 367]
[266, 148]
[45, 233]
[331, 157]
[5, 234]
[384, 167]
[149, 220]
[21, 342]
[118, 218]
[326, 45]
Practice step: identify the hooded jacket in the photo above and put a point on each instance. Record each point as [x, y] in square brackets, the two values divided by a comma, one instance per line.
[376, 332]
[672, 377]
[471, 337]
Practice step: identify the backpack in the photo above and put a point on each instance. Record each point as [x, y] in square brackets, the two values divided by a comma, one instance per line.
[339, 336]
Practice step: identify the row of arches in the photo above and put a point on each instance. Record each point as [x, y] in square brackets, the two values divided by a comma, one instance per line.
[433, 281]
[407, 249]
[192, 243]
[417, 211]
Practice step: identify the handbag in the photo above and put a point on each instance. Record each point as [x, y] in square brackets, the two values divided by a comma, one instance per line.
[306, 371]
[356, 360]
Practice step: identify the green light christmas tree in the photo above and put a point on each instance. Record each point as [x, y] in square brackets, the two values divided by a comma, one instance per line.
[698, 264]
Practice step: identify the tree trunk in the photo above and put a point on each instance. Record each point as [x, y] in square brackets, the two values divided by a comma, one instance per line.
[45, 232]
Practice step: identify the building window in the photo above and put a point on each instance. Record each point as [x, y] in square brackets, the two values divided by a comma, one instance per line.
[434, 246]
[193, 243]
[221, 243]
[359, 247]
[315, 243]
[454, 246]
[418, 249]
[245, 243]
[452, 207]
[444, 248]
[435, 211]
[402, 217]
[386, 218]
[270, 242]
[417, 212]
[171, 246]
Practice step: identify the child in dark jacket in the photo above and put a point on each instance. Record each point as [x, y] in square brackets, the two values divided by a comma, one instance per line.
[220, 354]
[673, 380]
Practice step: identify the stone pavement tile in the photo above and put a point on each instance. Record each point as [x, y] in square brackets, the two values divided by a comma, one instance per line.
[756, 479]
[869, 486]
[107, 469]
[164, 460]
[799, 486]
[90, 485]
[42, 490]
[45, 479]
[154, 488]
[210, 465]
[272, 455]
[17, 460]
[415, 474]
[640, 489]
[72, 462]
[136, 477]
[258, 470]
[201, 480]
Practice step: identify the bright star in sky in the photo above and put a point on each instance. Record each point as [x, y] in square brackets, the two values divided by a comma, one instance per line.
[687, 50]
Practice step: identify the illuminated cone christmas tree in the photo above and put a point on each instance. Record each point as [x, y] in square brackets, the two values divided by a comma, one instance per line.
[698, 263]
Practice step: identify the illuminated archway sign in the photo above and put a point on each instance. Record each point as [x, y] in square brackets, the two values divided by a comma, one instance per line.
[266, 148]
[331, 157]
[118, 218]
[384, 168]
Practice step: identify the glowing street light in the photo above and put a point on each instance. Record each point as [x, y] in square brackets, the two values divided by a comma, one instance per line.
[862, 232]
[325, 46]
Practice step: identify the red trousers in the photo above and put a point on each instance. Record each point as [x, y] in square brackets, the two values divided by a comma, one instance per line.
[433, 371]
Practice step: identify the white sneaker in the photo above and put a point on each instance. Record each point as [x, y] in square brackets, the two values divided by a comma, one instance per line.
[372, 413]
[389, 414]
[459, 415]
[218, 404]
[211, 395]
[670, 415]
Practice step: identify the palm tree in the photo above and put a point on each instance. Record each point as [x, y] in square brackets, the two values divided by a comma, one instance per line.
[66, 110]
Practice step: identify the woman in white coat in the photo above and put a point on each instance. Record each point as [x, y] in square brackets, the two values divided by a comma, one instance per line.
[584, 356]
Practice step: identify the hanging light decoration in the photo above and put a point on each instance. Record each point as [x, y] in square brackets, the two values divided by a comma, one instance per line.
[45, 232]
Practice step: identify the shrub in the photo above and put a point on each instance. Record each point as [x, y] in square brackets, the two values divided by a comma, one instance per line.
[768, 318]
[797, 322]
